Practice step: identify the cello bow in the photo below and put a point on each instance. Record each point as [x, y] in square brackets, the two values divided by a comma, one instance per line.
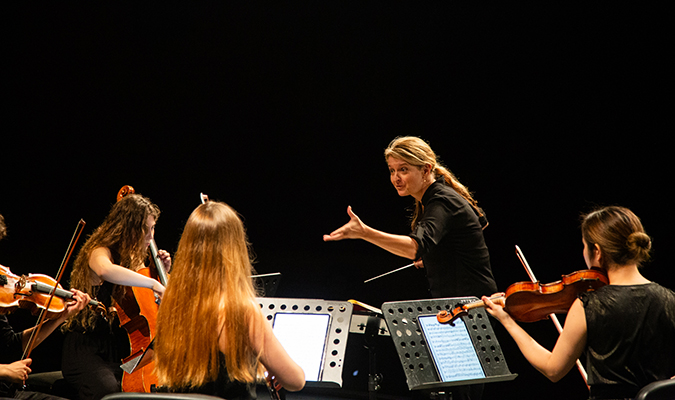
[553, 317]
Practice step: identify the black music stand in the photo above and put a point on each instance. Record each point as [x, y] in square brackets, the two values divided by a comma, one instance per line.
[267, 284]
[369, 321]
[288, 317]
[419, 366]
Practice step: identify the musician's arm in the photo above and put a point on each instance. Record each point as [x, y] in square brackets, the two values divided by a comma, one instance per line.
[400, 245]
[274, 357]
[556, 364]
[101, 264]
[49, 326]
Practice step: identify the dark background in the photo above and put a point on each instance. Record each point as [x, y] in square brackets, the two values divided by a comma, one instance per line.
[283, 110]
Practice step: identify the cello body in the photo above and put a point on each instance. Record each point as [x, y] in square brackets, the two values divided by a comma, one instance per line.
[137, 312]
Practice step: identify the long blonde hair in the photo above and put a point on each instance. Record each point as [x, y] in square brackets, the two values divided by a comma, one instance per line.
[210, 293]
[416, 152]
[123, 232]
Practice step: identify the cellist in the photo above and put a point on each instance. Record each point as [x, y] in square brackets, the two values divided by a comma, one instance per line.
[106, 264]
[627, 327]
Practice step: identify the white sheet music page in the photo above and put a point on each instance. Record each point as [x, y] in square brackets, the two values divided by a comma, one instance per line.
[451, 349]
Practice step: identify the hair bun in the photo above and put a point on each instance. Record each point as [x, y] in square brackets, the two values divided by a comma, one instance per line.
[640, 239]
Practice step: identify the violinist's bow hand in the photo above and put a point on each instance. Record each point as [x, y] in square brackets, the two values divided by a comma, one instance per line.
[17, 371]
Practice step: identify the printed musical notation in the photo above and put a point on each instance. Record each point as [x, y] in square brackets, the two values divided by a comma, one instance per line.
[451, 349]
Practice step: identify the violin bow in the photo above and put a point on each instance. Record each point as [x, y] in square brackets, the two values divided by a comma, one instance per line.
[553, 317]
[43, 312]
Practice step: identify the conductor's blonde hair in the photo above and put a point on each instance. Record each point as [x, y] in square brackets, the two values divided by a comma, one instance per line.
[417, 152]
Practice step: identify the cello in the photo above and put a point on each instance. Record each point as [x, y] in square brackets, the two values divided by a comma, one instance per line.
[137, 312]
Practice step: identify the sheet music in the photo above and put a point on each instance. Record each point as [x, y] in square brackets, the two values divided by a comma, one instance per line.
[303, 336]
[451, 349]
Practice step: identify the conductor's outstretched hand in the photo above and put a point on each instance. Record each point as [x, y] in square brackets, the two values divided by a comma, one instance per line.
[354, 229]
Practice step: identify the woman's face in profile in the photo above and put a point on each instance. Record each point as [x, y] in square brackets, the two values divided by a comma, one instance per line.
[407, 179]
[150, 226]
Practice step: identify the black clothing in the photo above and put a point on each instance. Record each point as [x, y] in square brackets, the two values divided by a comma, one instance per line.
[224, 387]
[91, 364]
[91, 360]
[449, 235]
[630, 331]
[450, 242]
[10, 342]
[11, 351]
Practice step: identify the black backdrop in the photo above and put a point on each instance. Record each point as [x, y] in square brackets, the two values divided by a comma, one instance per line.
[283, 110]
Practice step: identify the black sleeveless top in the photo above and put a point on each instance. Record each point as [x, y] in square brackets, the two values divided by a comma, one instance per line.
[223, 387]
[630, 338]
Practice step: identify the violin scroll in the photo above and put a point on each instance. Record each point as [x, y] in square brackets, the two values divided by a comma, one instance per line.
[448, 317]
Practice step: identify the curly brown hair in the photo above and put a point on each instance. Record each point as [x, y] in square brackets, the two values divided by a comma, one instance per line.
[3, 227]
[122, 232]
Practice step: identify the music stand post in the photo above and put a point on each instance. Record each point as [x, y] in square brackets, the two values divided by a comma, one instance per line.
[417, 362]
[369, 321]
[335, 342]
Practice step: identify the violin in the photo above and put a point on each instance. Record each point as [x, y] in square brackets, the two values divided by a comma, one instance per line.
[533, 301]
[32, 292]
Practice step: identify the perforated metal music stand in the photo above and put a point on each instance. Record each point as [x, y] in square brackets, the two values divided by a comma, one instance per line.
[415, 357]
[335, 341]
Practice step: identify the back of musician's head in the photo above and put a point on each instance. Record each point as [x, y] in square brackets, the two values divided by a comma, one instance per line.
[214, 237]
[210, 291]
[619, 234]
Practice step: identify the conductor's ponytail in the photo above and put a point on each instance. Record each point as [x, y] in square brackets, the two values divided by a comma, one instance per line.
[418, 153]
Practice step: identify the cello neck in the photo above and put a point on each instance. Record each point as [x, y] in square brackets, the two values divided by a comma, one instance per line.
[161, 272]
